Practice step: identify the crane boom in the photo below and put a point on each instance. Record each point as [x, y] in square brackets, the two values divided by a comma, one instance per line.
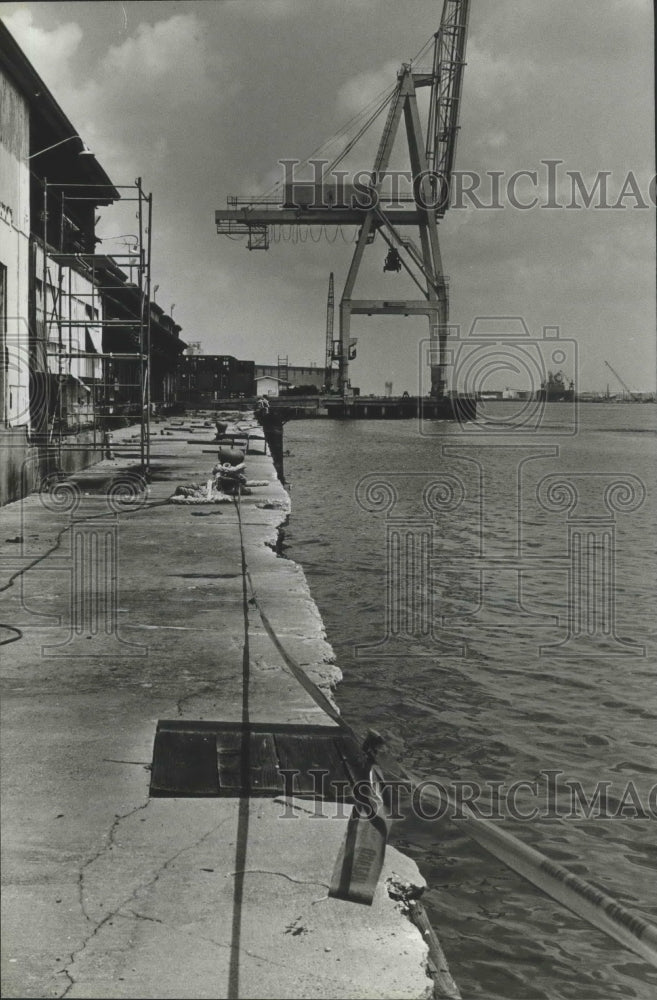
[445, 103]
[625, 386]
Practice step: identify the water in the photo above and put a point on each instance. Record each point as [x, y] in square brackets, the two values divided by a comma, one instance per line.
[500, 712]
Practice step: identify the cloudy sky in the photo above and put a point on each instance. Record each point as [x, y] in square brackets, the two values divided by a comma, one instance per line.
[202, 99]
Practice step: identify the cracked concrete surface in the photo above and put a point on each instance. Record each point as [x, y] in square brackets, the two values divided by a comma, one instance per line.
[107, 893]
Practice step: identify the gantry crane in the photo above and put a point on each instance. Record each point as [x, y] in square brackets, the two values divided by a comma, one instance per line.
[634, 396]
[431, 162]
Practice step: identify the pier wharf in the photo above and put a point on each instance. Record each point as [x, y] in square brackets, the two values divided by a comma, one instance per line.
[363, 407]
[124, 614]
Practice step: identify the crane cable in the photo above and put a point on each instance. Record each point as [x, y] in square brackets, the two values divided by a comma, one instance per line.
[350, 145]
[343, 130]
[53, 548]
[383, 96]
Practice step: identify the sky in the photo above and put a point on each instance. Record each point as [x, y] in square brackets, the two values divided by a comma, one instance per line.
[203, 99]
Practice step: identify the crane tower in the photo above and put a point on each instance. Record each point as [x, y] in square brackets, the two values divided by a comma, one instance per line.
[330, 309]
[325, 203]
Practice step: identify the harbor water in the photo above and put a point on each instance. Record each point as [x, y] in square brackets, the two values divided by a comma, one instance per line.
[489, 593]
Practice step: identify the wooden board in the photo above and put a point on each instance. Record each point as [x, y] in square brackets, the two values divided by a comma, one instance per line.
[264, 773]
[318, 764]
[229, 763]
[230, 759]
[184, 763]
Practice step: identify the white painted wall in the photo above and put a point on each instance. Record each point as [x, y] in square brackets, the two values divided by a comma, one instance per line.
[14, 255]
[267, 385]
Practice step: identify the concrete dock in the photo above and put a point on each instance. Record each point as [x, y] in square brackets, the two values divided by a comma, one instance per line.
[108, 891]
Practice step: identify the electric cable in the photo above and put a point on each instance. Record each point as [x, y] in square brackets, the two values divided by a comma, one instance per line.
[385, 93]
[53, 548]
[350, 145]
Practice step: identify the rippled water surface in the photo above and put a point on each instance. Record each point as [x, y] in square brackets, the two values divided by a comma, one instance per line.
[449, 613]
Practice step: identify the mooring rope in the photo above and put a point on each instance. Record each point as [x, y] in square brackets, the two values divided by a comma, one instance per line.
[53, 548]
[242, 833]
[573, 892]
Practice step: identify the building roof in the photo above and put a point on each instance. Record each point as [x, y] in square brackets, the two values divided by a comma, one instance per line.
[49, 124]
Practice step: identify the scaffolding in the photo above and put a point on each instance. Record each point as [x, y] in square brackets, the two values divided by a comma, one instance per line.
[283, 371]
[91, 295]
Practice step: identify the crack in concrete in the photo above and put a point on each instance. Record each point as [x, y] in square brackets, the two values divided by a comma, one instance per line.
[109, 843]
[266, 871]
[212, 687]
[203, 937]
[71, 981]
[288, 803]
[187, 697]
[142, 916]
[77, 952]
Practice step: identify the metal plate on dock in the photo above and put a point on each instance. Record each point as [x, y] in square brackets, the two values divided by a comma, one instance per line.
[230, 759]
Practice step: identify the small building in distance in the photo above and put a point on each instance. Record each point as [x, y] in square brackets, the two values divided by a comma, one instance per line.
[203, 379]
[295, 374]
[268, 385]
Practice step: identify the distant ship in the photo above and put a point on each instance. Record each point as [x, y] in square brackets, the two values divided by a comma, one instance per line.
[555, 390]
